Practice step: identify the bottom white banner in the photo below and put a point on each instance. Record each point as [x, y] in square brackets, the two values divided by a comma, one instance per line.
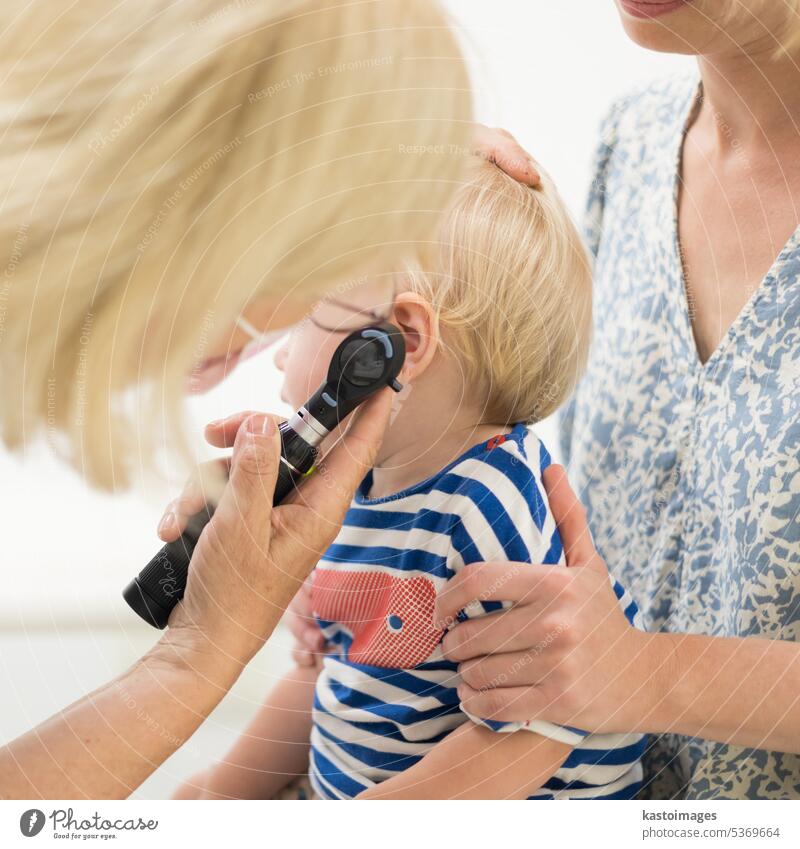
[385, 825]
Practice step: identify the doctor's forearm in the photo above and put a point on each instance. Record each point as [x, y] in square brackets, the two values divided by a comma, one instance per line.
[107, 743]
[743, 691]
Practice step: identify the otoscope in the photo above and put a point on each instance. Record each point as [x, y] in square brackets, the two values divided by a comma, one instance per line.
[366, 361]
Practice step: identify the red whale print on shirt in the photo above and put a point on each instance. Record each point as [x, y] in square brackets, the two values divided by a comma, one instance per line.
[390, 618]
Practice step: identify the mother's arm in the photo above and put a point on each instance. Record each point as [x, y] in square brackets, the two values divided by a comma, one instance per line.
[247, 565]
[565, 652]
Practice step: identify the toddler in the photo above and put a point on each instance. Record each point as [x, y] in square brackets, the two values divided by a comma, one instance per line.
[496, 315]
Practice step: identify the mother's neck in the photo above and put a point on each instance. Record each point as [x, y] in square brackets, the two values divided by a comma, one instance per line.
[752, 96]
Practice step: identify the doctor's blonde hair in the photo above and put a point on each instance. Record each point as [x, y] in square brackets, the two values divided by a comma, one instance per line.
[167, 163]
[791, 38]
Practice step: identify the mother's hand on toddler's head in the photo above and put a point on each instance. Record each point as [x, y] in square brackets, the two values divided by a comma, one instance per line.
[564, 651]
[499, 146]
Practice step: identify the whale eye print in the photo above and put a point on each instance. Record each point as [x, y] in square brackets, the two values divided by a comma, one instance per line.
[388, 618]
[395, 623]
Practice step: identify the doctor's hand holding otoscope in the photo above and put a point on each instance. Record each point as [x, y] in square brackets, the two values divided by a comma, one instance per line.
[262, 578]
[270, 462]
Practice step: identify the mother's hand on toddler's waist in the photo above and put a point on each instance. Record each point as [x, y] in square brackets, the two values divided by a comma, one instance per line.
[565, 651]
[252, 558]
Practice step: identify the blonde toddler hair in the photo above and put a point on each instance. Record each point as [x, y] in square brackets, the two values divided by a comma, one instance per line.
[511, 282]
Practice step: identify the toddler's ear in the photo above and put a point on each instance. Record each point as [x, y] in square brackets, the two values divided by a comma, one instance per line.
[418, 320]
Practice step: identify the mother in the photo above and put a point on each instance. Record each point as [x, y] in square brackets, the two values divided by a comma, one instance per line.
[167, 168]
[684, 436]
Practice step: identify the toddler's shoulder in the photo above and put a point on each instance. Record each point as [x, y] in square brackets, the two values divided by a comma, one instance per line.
[498, 496]
[507, 464]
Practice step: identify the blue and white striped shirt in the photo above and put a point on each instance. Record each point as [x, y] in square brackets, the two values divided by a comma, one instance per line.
[386, 694]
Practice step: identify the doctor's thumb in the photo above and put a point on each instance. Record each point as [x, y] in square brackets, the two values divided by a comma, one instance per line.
[253, 473]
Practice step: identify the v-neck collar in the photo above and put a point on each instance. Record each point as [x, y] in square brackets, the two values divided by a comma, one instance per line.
[687, 115]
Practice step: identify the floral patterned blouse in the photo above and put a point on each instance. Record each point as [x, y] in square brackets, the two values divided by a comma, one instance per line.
[690, 471]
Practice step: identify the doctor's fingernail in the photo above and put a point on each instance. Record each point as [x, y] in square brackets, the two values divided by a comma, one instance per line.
[260, 425]
[166, 524]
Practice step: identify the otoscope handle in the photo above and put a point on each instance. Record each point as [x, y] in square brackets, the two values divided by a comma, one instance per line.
[161, 584]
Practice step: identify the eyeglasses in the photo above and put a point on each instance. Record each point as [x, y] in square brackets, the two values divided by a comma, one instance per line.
[336, 316]
[259, 340]
[329, 314]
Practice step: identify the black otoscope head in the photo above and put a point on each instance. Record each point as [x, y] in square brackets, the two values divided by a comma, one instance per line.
[366, 361]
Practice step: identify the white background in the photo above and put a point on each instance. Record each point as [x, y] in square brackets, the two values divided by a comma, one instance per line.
[544, 70]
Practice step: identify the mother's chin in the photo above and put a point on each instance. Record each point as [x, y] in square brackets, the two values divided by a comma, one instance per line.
[690, 27]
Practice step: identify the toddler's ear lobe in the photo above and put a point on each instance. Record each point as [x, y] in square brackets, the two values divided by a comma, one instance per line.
[406, 377]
